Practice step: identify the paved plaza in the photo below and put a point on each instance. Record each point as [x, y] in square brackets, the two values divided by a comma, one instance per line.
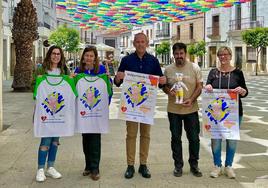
[18, 148]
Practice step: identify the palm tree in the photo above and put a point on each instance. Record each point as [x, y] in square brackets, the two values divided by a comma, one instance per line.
[24, 33]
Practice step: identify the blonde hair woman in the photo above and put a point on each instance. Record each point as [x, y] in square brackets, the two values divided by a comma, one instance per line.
[226, 76]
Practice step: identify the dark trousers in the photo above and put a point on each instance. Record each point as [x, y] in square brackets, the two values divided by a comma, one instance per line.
[92, 150]
[192, 129]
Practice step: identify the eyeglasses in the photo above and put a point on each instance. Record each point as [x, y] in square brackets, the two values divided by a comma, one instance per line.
[56, 53]
[223, 55]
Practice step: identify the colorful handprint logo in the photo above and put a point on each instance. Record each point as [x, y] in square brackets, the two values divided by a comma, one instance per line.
[218, 110]
[136, 94]
[91, 98]
[53, 103]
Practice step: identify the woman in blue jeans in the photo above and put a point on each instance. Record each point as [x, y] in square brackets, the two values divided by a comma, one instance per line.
[54, 64]
[226, 77]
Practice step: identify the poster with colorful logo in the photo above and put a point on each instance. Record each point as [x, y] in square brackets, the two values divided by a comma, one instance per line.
[138, 97]
[220, 114]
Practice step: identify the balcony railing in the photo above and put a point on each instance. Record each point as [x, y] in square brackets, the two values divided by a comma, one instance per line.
[163, 33]
[90, 41]
[47, 25]
[183, 38]
[123, 44]
[213, 31]
[246, 23]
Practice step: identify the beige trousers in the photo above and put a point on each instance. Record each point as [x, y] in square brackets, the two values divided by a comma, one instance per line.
[132, 130]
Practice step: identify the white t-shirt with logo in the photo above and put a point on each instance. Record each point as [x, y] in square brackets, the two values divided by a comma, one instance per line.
[55, 106]
[54, 71]
[92, 114]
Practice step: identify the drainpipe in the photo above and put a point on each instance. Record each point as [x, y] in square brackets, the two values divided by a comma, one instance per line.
[204, 24]
[1, 68]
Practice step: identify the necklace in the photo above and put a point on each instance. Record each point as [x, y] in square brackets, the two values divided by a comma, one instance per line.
[227, 69]
[228, 83]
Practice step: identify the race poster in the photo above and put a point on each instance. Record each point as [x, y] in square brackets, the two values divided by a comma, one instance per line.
[138, 97]
[220, 114]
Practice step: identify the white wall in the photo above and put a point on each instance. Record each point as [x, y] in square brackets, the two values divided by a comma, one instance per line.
[7, 37]
[224, 17]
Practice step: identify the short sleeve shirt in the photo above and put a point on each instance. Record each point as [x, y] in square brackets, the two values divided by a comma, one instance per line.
[191, 76]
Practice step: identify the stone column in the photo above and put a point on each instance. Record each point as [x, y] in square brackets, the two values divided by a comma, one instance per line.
[1, 67]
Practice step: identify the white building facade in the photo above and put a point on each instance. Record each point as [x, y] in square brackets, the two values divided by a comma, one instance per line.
[224, 27]
[46, 14]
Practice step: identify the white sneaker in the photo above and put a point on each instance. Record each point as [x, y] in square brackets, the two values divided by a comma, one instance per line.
[52, 172]
[229, 172]
[40, 175]
[216, 172]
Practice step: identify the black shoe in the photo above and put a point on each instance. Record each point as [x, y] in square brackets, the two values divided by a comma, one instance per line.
[177, 172]
[144, 171]
[196, 171]
[129, 172]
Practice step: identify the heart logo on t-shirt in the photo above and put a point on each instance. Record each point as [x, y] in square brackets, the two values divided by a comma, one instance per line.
[82, 113]
[43, 118]
[207, 127]
[123, 108]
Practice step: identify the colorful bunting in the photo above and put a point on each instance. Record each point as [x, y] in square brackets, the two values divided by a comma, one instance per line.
[124, 14]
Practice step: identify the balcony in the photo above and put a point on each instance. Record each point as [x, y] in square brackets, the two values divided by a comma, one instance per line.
[46, 25]
[184, 38]
[90, 41]
[163, 33]
[238, 25]
[246, 23]
[123, 44]
[213, 33]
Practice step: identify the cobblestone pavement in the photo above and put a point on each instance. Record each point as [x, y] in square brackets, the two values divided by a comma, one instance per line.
[18, 148]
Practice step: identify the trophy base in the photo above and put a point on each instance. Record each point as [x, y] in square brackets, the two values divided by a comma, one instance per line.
[178, 102]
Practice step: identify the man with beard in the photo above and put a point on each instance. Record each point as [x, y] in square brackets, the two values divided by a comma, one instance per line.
[187, 112]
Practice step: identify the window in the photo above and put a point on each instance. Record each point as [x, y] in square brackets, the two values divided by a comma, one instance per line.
[191, 31]
[238, 17]
[251, 55]
[110, 42]
[126, 42]
[91, 38]
[178, 32]
[165, 29]
[253, 10]
[52, 4]
[158, 26]
[85, 36]
[215, 25]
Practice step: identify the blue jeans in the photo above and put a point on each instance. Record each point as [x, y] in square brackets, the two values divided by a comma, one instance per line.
[47, 150]
[192, 129]
[230, 150]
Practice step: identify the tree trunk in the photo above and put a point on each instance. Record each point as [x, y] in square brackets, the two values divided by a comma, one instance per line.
[24, 67]
[24, 32]
[256, 68]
